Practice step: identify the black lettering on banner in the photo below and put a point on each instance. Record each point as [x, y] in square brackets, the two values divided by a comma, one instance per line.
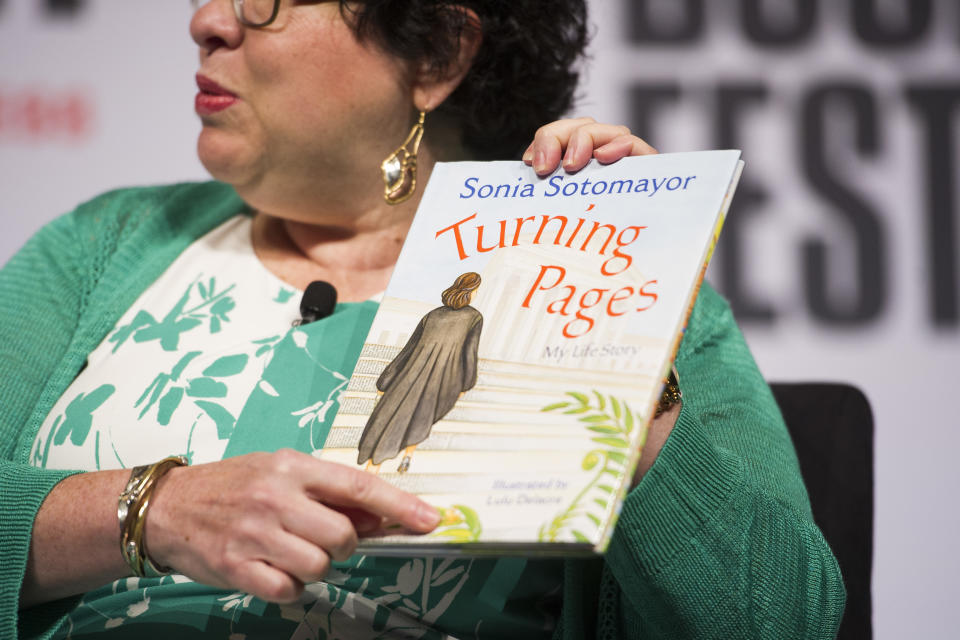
[63, 8]
[870, 295]
[664, 21]
[937, 105]
[790, 24]
[874, 30]
[55, 8]
[732, 101]
[643, 102]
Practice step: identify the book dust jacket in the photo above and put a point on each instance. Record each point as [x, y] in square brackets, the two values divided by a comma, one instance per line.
[518, 353]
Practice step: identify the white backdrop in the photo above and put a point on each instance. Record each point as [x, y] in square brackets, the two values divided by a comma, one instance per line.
[96, 94]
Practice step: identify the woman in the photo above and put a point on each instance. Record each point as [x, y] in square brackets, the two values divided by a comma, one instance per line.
[300, 104]
[423, 382]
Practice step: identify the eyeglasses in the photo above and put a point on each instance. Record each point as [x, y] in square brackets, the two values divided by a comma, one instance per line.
[250, 13]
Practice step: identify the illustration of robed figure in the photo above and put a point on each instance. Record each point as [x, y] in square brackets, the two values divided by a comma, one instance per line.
[425, 380]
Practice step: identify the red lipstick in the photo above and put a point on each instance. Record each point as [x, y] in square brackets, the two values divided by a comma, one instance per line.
[211, 97]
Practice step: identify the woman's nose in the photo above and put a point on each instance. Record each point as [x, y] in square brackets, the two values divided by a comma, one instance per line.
[215, 25]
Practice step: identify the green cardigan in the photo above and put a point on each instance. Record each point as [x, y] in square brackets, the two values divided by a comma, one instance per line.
[717, 540]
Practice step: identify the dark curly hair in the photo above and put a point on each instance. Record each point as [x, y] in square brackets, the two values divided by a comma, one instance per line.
[522, 77]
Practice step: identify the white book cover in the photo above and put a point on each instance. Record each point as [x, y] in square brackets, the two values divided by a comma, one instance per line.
[518, 403]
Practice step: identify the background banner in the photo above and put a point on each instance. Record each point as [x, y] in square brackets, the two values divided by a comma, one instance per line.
[840, 254]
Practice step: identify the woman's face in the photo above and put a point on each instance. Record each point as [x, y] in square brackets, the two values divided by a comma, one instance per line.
[299, 109]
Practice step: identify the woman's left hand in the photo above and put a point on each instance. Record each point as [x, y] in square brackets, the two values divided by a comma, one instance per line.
[576, 140]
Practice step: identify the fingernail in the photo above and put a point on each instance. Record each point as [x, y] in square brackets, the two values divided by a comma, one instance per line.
[528, 155]
[570, 154]
[540, 163]
[428, 516]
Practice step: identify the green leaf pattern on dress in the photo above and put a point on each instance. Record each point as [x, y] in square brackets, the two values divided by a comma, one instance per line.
[283, 295]
[213, 307]
[208, 385]
[75, 422]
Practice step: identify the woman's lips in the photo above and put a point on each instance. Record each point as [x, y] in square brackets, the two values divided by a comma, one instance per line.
[212, 97]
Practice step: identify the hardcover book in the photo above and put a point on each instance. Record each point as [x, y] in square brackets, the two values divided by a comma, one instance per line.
[518, 354]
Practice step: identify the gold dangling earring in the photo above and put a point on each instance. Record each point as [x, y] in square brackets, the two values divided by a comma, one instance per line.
[400, 168]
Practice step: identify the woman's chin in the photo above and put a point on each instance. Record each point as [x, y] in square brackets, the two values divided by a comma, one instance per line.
[230, 163]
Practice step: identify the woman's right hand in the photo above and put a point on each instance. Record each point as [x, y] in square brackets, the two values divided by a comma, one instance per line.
[266, 523]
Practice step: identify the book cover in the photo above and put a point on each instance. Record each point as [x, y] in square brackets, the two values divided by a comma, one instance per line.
[519, 351]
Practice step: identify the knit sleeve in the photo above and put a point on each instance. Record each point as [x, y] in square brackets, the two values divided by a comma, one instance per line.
[59, 297]
[41, 289]
[718, 539]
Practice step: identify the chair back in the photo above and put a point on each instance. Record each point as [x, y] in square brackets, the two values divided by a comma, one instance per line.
[832, 430]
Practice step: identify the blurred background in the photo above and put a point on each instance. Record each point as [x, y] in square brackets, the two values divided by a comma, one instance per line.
[840, 254]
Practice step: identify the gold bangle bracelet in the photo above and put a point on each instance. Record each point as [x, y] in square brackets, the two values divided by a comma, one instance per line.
[132, 514]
